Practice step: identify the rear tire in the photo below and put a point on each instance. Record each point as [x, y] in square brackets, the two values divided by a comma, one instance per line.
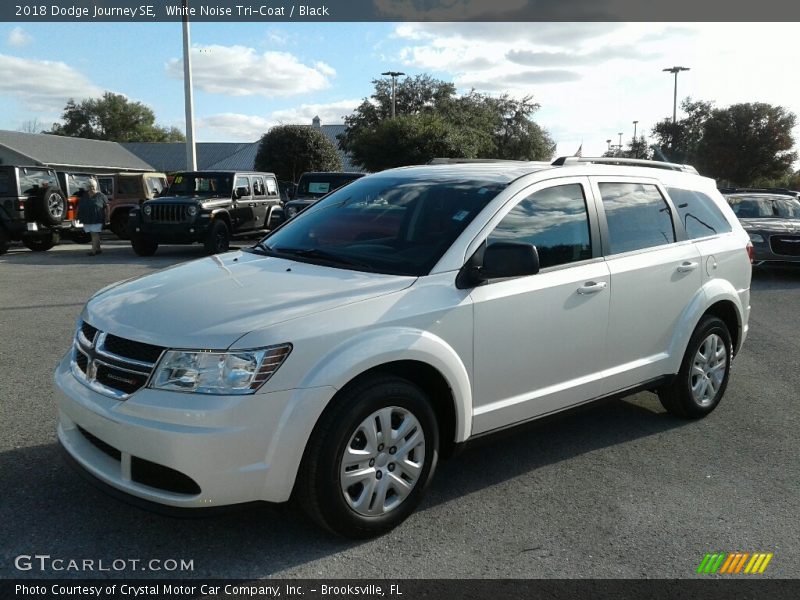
[144, 246]
[3, 241]
[370, 458]
[41, 243]
[700, 384]
[218, 238]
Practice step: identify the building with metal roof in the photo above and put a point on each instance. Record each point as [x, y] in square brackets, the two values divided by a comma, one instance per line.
[68, 153]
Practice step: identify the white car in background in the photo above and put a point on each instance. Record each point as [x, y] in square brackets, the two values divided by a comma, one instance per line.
[402, 316]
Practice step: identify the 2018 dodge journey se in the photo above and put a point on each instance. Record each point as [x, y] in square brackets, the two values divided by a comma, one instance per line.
[403, 315]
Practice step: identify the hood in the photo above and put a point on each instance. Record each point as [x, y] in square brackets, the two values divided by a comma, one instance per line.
[772, 225]
[185, 199]
[212, 302]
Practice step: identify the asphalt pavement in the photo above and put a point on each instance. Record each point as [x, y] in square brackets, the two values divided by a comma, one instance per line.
[619, 489]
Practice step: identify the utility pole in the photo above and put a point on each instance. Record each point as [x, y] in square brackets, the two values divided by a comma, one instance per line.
[394, 75]
[191, 155]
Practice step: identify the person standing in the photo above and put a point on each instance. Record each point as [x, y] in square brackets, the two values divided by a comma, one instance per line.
[92, 212]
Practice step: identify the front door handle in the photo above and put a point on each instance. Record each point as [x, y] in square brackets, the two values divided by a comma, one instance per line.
[592, 287]
[687, 266]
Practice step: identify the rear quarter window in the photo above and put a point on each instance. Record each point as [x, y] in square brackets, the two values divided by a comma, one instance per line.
[699, 214]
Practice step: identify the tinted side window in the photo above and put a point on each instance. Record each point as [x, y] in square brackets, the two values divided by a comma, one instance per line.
[128, 186]
[243, 182]
[5, 185]
[258, 186]
[698, 213]
[637, 216]
[31, 180]
[272, 187]
[554, 220]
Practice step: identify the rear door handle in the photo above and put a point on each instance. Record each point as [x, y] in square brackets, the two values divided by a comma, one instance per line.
[592, 287]
[687, 266]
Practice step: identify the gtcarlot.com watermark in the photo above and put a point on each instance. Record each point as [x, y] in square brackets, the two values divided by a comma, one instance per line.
[48, 563]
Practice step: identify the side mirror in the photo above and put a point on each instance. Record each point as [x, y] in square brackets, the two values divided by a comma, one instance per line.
[497, 261]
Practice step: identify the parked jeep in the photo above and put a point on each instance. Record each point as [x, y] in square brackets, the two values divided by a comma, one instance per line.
[208, 207]
[32, 207]
[74, 185]
[313, 186]
[126, 191]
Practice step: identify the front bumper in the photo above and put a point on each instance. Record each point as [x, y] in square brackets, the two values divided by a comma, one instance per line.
[175, 233]
[236, 449]
[772, 250]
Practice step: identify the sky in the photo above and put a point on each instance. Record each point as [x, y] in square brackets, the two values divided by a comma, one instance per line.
[592, 80]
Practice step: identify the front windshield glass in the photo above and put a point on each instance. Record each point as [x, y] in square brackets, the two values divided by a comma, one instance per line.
[765, 207]
[202, 184]
[398, 225]
[316, 186]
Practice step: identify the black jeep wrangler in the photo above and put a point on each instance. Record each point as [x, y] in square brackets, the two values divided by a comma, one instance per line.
[32, 207]
[208, 207]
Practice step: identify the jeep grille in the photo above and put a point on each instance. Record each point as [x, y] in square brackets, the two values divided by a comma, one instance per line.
[169, 213]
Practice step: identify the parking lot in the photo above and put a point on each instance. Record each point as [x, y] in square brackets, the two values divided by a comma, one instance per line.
[616, 490]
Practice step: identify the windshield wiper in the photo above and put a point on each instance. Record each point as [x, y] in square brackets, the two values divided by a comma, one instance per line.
[263, 248]
[323, 255]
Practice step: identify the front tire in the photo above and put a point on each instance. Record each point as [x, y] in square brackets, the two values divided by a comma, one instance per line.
[144, 246]
[370, 458]
[700, 384]
[218, 238]
[119, 224]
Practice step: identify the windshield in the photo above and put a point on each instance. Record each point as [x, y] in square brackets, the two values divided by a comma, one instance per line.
[316, 186]
[765, 207]
[204, 184]
[397, 225]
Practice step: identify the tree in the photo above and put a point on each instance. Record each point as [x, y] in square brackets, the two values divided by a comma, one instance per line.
[432, 120]
[637, 148]
[291, 150]
[679, 142]
[115, 118]
[745, 143]
[32, 126]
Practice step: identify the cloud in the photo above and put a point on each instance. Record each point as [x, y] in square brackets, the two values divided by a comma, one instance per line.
[549, 34]
[532, 58]
[517, 82]
[241, 127]
[18, 37]
[242, 71]
[42, 85]
[446, 10]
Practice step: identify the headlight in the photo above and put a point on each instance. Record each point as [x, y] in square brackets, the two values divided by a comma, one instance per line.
[756, 238]
[191, 211]
[221, 373]
[291, 211]
[147, 209]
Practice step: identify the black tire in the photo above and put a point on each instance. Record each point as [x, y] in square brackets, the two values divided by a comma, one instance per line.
[3, 241]
[319, 489]
[41, 243]
[50, 207]
[119, 224]
[143, 245]
[218, 238]
[677, 397]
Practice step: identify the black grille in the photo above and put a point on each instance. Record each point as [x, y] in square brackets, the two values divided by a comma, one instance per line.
[107, 449]
[787, 245]
[130, 349]
[161, 477]
[88, 331]
[117, 379]
[168, 213]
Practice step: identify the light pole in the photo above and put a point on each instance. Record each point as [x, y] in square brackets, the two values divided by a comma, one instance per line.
[191, 156]
[394, 75]
[635, 123]
[675, 70]
[635, 146]
[609, 145]
[620, 141]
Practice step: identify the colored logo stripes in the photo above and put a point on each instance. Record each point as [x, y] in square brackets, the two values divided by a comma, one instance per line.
[735, 562]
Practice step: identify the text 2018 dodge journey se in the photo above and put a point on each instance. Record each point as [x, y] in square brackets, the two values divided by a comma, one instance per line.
[398, 318]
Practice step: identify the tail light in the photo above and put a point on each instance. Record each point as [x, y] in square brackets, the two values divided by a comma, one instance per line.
[20, 205]
[749, 248]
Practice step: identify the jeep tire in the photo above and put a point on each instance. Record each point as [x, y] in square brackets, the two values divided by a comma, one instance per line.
[41, 243]
[218, 237]
[119, 224]
[144, 245]
[50, 207]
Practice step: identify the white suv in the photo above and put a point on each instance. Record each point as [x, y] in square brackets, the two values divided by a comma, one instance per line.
[402, 316]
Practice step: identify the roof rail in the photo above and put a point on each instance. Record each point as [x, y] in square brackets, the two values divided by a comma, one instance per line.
[631, 162]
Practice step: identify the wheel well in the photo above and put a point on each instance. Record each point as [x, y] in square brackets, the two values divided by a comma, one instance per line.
[435, 387]
[726, 310]
[224, 216]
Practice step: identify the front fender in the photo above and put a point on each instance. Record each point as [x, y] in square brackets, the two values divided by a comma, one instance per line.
[375, 348]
